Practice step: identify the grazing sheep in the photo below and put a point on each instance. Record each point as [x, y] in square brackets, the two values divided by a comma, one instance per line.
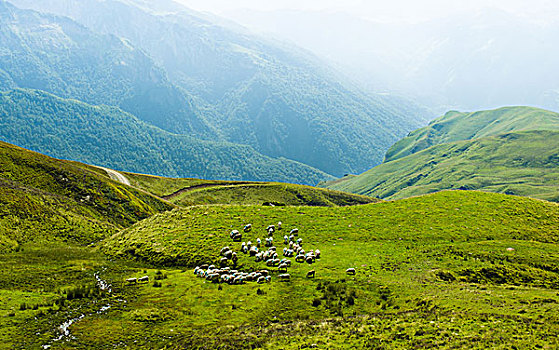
[253, 251]
[238, 237]
[300, 258]
[224, 249]
[282, 268]
[317, 253]
[133, 280]
[233, 233]
[204, 266]
[244, 249]
[261, 280]
[258, 242]
[223, 261]
[258, 257]
[309, 259]
[284, 277]
[264, 272]
[310, 274]
[294, 232]
[285, 240]
[279, 225]
[270, 228]
[350, 271]
[247, 227]
[143, 279]
[228, 254]
[292, 238]
[299, 241]
[234, 257]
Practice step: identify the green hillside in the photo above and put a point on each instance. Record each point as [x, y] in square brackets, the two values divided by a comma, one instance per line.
[520, 163]
[60, 56]
[449, 270]
[457, 126]
[109, 137]
[188, 192]
[42, 198]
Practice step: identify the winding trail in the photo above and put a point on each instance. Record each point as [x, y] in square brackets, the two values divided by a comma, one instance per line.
[115, 175]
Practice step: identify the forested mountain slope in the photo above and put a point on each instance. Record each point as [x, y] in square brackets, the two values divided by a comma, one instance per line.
[281, 101]
[109, 137]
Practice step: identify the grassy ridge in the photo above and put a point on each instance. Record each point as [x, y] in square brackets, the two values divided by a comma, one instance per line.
[457, 126]
[521, 163]
[187, 192]
[45, 198]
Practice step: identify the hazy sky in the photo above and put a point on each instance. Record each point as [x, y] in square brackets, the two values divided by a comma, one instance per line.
[393, 10]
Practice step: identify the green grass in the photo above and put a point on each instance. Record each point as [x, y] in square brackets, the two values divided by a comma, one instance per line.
[521, 163]
[42, 198]
[457, 126]
[188, 192]
[432, 272]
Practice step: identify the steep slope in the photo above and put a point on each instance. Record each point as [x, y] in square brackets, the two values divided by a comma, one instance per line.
[45, 199]
[281, 101]
[110, 137]
[60, 56]
[457, 126]
[522, 163]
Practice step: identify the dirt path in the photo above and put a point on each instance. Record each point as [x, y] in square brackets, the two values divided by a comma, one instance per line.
[115, 175]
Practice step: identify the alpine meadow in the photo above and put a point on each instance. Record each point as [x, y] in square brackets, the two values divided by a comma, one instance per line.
[194, 174]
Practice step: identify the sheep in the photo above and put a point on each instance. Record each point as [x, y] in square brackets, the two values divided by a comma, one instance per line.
[261, 280]
[204, 266]
[350, 271]
[270, 228]
[233, 233]
[309, 260]
[285, 240]
[282, 268]
[269, 242]
[247, 227]
[294, 232]
[291, 238]
[300, 241]
[284, 277]
[234, 257]
[223, 261]
[224, 249]
[244, 249]
[249, 244]
[279, 225]
[238, 237]
[253, 251]
[133, 280]
[300, 258]
[228, 254]
[317, 253]
[258, 242]
[143, 279]
[310, 274]
[258, 257]
[264, 272]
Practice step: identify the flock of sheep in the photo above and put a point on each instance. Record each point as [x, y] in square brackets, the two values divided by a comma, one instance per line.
[264, 252]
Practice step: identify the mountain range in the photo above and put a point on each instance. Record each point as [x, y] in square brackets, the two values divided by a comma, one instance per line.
[204, 78]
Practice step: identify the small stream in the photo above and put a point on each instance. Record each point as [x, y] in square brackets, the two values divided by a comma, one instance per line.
[64, 328]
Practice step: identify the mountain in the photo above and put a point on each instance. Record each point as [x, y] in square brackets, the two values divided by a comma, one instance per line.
[57, 55]
[45, 199]
[280, 100]
[510, 150]
[457, 126]
[109, 137]
[470, 60]
[521, 163]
